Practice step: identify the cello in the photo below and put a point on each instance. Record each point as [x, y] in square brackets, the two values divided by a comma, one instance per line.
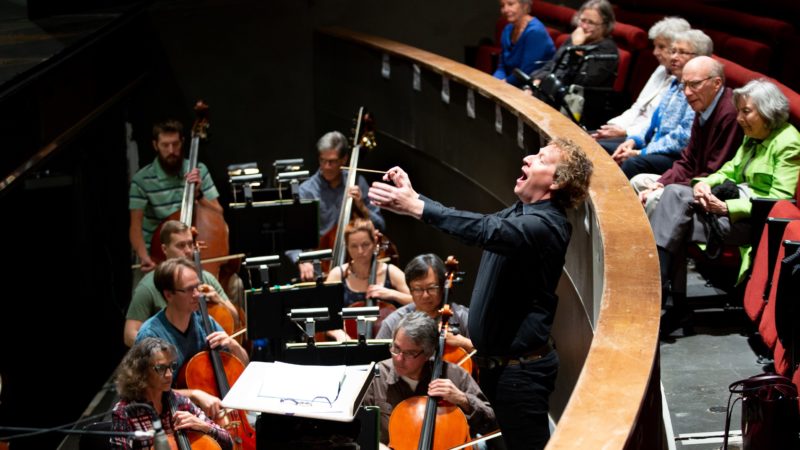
[212, 231]
[453, 354]
[384, 308]
[213, 371]
[191, 440]
[425, 422]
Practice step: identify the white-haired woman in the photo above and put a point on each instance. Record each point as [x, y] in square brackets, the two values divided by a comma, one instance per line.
[636, 119]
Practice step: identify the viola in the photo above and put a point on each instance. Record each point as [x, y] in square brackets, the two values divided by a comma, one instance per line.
[384, 308]
[190, 440]
[428, 423]
[213, 371]
[208, 225]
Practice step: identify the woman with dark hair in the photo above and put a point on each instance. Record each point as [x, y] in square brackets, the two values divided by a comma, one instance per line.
[525, 43]
[766, 165]
[145, 377]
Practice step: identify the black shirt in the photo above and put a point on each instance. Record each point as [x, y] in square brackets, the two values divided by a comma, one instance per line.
[514, 299]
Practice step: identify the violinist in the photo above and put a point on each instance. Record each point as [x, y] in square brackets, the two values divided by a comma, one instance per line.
[514, 299]
[327, 185]
[408, 373]
[181, 325]
[176, 242]
[157, 188]
[390, 284]
[145, 376]
[425, 276]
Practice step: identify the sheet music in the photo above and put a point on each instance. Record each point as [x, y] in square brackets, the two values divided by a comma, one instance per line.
[304, 384]
[266, 387]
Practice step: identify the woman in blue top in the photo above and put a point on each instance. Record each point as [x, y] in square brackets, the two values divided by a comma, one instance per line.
[525, 41]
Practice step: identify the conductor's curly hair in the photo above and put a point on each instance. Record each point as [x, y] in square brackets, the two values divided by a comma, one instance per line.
[573, 174]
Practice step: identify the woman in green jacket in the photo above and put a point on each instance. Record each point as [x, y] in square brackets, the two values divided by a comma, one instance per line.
[767, 164]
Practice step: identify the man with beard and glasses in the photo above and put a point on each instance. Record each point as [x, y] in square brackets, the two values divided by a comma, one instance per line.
[157, 189]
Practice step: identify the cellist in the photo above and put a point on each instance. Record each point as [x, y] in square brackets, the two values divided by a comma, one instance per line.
[180, 324]
[327, 186]
[425, 276]
[157, 188]
[408, 373]
[176, 242]
[145, 377]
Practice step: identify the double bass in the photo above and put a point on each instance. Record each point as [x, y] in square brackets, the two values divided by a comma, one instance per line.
[210, 226]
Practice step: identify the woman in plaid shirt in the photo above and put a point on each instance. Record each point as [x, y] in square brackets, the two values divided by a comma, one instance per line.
[144, 379]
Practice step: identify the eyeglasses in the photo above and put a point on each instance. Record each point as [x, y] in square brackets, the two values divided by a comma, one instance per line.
[590, 22]
[188, 289]
[161, 369]
[329, 162]
[694, 85]
[394, 350]
[430, 290]
[675, 51]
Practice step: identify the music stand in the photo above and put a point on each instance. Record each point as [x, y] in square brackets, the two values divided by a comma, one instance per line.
[267, 312]
[267, 228]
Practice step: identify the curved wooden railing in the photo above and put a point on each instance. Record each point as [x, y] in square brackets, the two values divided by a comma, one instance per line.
[612, 268]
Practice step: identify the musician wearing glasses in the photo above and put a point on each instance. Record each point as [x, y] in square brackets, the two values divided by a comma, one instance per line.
[145, 376]
[425, 276]
[181, 325]
[408, 373]
[176, 242]
[327, 185]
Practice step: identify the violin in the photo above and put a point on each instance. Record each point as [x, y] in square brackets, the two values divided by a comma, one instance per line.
[384, 308]
[189, 440]
[213, 371]
[208, 225]
[428, 423]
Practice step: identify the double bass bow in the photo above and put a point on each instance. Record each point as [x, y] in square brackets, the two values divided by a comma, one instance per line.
[213, 371]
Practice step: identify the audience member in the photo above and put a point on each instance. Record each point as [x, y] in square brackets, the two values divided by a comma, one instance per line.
[526, 44]
[655, 150]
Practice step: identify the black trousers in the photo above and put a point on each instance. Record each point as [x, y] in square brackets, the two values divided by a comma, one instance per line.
[520, 398]
[657, 163]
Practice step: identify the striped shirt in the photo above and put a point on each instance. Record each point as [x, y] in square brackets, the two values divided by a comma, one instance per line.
[160, 194]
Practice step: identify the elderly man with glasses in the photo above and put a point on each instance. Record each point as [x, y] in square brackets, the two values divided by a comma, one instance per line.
[655, 150]
[715, 134]
[425, 276]
[408, 373]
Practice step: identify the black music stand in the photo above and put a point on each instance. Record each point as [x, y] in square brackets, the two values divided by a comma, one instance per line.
[268, 312]
[267, 228]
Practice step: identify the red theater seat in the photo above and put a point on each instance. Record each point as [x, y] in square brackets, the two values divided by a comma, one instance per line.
[767, 327]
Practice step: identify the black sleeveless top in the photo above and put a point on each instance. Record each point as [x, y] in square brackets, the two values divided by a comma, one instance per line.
[351, 296]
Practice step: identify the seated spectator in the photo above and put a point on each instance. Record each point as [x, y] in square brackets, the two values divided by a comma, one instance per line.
[636, 119]
[655, 150]
[765, 165]
[526, 44]
[714, 138]
[594, 22]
